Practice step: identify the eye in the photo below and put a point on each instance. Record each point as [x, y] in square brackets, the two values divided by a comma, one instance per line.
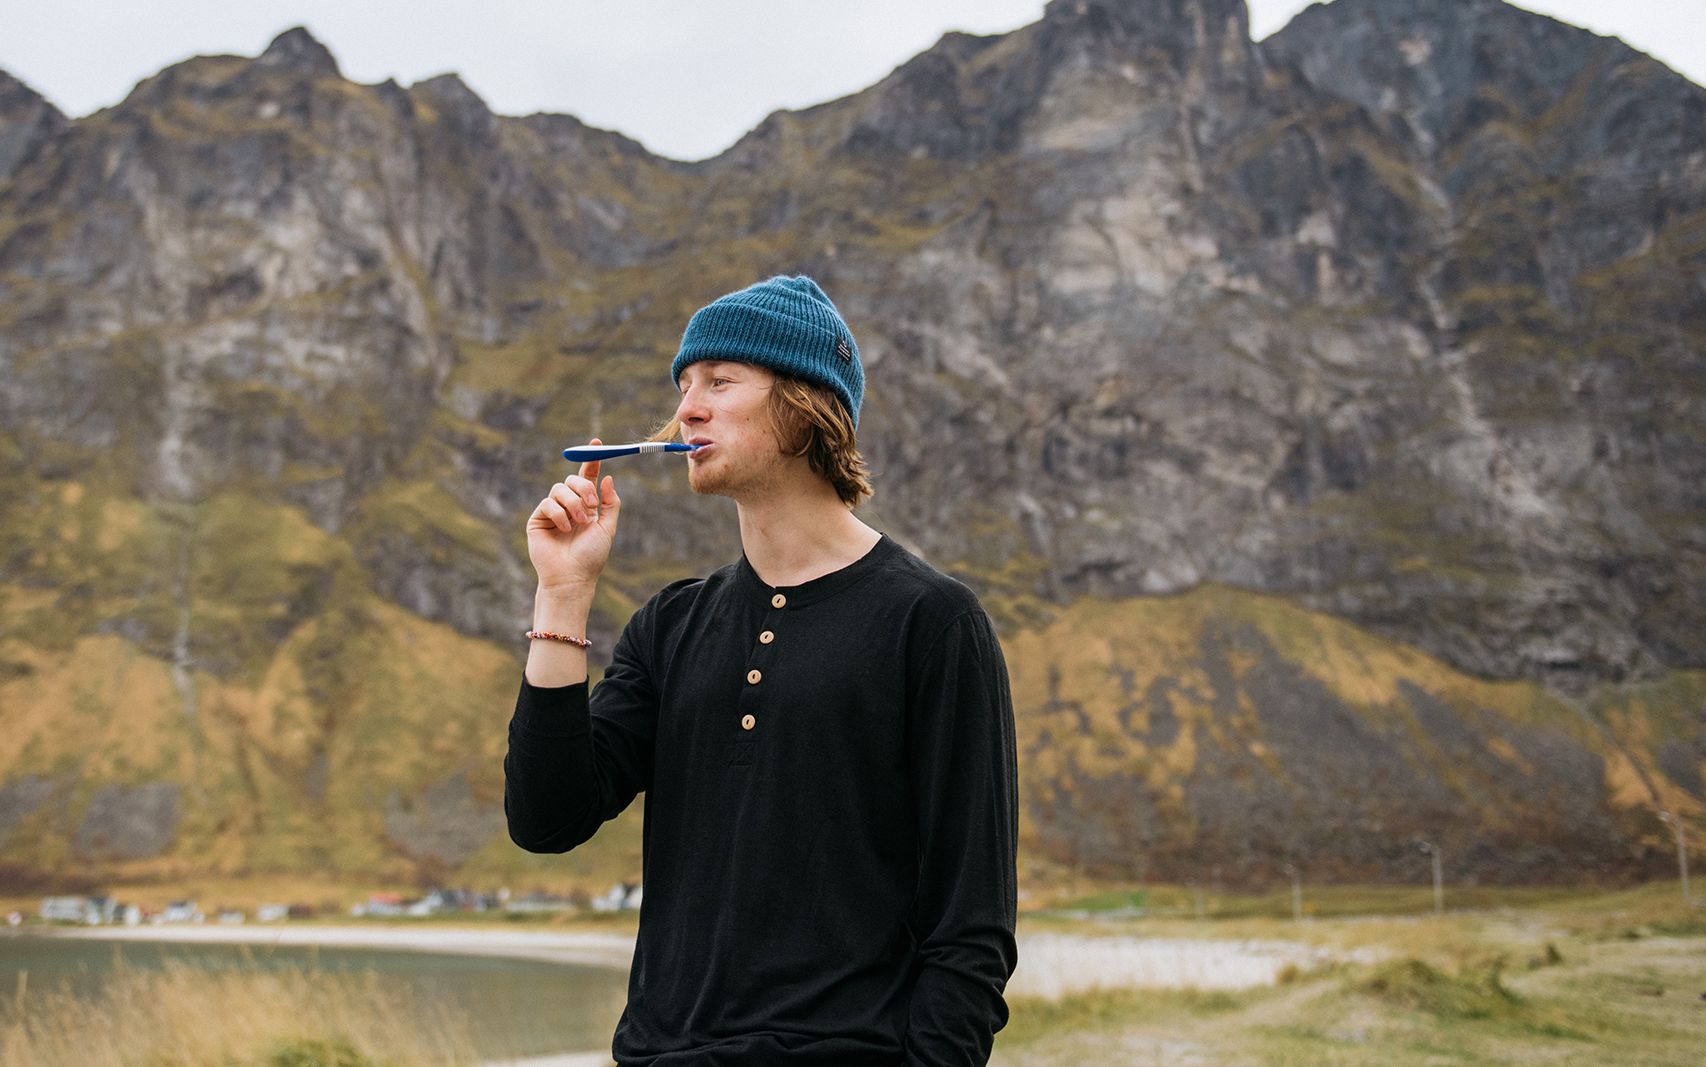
[721, 381]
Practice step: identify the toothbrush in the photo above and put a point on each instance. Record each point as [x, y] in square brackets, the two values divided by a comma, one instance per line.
[588, 453]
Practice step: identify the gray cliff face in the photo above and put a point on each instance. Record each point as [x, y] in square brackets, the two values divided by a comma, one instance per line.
[26, 122]
[268, 269]
[1397, 313]
[1566, 173]
[1223, 318]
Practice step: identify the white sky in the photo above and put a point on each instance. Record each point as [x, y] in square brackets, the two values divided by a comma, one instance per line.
[685, 77]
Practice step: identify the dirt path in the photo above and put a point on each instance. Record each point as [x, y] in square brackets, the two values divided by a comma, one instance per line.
[1630, 1002]
[1185, 1041]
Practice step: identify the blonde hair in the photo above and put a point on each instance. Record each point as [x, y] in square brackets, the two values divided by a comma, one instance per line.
[809, 421]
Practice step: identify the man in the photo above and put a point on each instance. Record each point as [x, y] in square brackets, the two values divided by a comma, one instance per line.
[823, 730]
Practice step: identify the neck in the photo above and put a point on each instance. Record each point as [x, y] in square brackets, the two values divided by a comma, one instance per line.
[791, 537]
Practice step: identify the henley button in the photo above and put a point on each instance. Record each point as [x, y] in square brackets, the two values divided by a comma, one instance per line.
[747, 722]
[766, 637]
[778, 601]
[754, 676]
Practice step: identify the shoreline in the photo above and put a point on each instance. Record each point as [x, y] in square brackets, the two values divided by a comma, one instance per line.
[1052, 963]
[586, 947]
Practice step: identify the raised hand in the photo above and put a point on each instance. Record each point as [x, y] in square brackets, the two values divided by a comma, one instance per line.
[570, 533]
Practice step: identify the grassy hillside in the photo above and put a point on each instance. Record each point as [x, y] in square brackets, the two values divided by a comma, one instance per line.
[215, 690]
[1222, 734]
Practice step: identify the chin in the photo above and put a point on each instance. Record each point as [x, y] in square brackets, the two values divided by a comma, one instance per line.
[705, 485]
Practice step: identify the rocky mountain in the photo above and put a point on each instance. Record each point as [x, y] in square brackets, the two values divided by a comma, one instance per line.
[1324, 420]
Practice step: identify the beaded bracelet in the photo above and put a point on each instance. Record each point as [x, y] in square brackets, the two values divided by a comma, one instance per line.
[581, 641]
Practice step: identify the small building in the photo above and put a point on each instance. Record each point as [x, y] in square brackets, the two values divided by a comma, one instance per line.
[623, 896]
[380, 905]
[537, 901]
[64, 909]
[431, 904]
[91, 911]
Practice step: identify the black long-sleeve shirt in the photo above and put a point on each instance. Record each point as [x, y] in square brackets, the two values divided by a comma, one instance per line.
[831, 817]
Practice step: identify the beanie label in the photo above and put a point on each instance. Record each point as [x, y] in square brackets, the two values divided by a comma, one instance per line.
[843, 350]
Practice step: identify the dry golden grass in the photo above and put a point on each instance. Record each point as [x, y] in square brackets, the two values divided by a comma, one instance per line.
[188, 1017]
[1585, 976]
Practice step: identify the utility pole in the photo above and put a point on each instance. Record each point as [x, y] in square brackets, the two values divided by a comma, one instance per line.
[1676, 830]
[1439, 878]
[1196, 896]
[1296, 892]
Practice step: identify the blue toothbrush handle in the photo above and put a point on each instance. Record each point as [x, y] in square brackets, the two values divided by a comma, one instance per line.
[588, 453]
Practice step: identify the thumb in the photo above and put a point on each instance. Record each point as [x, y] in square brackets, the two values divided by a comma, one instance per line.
[610, 503]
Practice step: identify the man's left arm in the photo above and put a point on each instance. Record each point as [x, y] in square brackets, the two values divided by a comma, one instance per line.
[964, 770]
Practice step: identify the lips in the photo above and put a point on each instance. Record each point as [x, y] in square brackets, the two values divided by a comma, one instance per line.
[704, 444]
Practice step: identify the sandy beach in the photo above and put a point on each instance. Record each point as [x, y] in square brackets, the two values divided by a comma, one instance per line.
[1051, 965]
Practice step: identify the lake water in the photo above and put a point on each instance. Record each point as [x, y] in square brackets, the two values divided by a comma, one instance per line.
[513, 1007]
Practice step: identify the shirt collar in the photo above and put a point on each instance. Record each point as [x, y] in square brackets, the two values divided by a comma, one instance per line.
[823, 586]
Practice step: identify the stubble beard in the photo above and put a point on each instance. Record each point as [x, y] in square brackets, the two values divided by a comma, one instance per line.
[734, 483]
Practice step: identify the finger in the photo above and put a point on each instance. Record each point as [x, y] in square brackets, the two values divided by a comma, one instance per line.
[574, 494]
[553, 511]
[589, 469]
[612, 505]
[580, 485]
[581, 510]
[565, 498]
[548, 515]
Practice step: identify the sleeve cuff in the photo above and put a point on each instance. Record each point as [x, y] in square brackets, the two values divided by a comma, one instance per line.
[559, 711]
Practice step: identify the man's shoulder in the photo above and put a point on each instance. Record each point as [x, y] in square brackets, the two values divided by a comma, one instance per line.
[943, 596]
[682, 593]
[676, 600]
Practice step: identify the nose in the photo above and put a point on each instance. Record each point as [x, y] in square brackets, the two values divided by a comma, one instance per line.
[692, 408]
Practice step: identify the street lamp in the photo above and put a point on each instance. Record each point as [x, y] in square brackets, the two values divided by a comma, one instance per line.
[1439, 880]
[1676, 830]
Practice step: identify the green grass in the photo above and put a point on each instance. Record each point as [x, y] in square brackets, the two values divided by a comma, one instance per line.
[1333, 901]
[1585, 976]
[1412, 984]
[1032, 1019]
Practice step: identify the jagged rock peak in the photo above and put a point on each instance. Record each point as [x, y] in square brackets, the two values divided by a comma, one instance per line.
[451, 89]
[1153, 16]
[16, 96]
[567, 131]
[450, 95]
[1202, 35]
[297, 49]
[26, 119]
[1442, 64]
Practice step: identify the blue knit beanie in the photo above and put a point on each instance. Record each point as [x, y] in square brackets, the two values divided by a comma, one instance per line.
[786, 324]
